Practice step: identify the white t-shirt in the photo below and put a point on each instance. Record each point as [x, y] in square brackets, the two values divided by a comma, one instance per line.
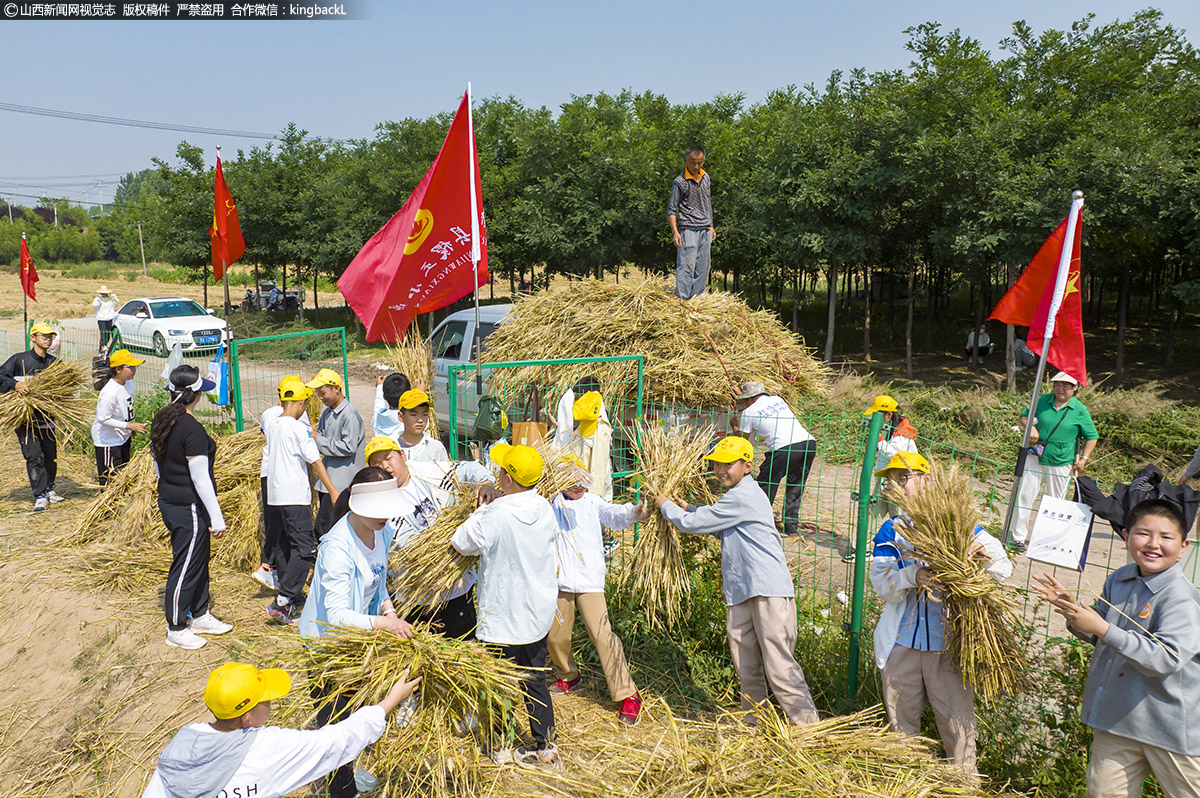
[115, 404]
[106, 307]
[427, 450]
[580, 542]
[372, 561]
[770, 419]
[275, 411]
[290, 448]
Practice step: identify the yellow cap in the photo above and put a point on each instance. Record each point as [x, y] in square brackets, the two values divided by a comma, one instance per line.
[123, 357]
[882, 404]
[522, 463]
[905, 461]
[285, 381]
[293, 390]
[326, 377]
[234, 689]
[412, 399]
[732, 448]
[42, 327]
[586, 411]
[380, 443]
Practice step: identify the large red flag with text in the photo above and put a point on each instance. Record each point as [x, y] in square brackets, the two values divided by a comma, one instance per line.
[29, 276]
[1028, 302]
[421, 259]
[226, 233]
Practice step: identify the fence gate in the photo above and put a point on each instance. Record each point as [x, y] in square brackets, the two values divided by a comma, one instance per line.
[257, 364]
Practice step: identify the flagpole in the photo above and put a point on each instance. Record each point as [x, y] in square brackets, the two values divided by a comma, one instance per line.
[25, 300]
[474, 242]
[224, 265]
[1060, 286]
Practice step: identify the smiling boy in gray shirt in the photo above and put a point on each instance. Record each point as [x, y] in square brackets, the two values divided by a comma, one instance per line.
[761, 622]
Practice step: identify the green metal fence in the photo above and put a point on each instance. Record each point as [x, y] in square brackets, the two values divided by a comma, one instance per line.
[257, 365]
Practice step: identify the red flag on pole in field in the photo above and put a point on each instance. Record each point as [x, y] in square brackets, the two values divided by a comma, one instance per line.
[1033, 299]
[226, 233]
[421, 260]
[29, 275]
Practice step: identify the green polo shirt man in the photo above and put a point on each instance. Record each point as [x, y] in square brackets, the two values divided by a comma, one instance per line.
[1060, 422]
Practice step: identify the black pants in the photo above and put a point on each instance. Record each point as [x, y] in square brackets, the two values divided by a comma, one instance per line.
[272, 524]
[295, 550]
[324, 521]
[341, 781]
[106, 328]
[187, 581]
[110, 460]
[456, 617]
[537, 694]
[40, 450]
[791, 464]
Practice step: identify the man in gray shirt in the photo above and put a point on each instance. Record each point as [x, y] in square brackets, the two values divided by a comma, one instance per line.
[690, 215]
[341, 438]
[758, 588]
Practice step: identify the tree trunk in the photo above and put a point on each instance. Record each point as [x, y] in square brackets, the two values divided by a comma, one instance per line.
[1010, 341]
[797, 281]
[1172, 323]
[1122, 319]
[908, 325]
[1099, 302]
[206, 288]
[316, 303]
[283, 300]
[930, 298]
[737, 276]
[978, 324]
[257, 286]
[832, 303]
[867, 316]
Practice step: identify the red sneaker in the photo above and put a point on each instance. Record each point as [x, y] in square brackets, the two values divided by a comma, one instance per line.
[631, 710]
[563, 686]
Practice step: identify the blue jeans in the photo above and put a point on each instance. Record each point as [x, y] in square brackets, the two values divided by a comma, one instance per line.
[692, 262]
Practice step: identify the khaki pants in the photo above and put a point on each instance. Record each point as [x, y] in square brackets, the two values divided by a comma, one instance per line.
[912, 679]
[594, 611]
[1120, 765]
[762, 637]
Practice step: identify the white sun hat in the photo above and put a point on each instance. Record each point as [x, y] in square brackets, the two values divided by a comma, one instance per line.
[376, 499]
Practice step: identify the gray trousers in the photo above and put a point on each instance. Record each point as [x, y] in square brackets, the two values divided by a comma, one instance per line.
[692, 262]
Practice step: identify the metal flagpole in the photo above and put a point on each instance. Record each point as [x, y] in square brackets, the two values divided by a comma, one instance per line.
[474, 242]
[1060, 286]
[224, 265]
[25, 300]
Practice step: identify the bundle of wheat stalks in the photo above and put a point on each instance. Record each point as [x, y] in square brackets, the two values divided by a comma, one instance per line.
[462, 685]
[58, 392]
[429, 566]
[697, 352]
[982, 615]
[413, 357]
[126, 511]
[669, 462]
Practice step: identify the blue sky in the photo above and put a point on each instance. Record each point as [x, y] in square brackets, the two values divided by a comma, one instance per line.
[414, 58]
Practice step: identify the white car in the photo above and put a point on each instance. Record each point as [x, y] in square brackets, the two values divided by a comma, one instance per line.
[158, 323]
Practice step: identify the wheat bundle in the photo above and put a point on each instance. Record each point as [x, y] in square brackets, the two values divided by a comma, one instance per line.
[429, 566]
[670, 463]
[697, 353]
[982, 615]
[57, 392]
[462, 684]
[125, 569]
[413, 357]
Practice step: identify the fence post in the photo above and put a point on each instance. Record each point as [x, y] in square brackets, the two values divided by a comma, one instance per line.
[452, 388]
[860, 555]
[345, 364]
[239, 422]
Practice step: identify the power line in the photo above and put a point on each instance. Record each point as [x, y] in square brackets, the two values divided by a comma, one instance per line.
[41, 178]
[114, 120]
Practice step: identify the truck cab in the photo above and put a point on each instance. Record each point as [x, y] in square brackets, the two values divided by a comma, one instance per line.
[458, 341]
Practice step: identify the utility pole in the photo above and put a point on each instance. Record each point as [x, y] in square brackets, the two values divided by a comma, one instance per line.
[143, 248]
[101, 197]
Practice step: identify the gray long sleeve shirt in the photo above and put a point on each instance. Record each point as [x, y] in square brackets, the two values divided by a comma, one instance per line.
[691, 202]
[1141, 687]
[341, 439]
[1193, 467]
[752, 561]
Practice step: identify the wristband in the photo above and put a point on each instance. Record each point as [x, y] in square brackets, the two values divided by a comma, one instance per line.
[390, 611]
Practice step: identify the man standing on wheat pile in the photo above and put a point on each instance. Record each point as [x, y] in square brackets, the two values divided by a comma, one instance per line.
[690, 215]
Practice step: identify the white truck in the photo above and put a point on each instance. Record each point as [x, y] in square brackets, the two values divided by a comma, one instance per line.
[455, 342]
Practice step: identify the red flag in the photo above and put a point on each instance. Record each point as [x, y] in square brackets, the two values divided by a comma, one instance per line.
[421, 259]
[226, 233]
[1027, 303]
[29, 276]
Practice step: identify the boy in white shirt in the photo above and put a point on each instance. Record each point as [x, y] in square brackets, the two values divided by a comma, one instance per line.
[290, 449]
[513, 537]
[239, 755]
[265, 574]
[114, 425]
[414, 415]
[581, 568]
[790, 448]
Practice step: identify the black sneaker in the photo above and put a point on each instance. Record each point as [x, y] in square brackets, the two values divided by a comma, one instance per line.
[285, 615]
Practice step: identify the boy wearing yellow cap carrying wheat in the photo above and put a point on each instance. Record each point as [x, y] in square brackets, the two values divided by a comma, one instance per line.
[761, 623]
[39, 447]
[911, 640]
[237, 754]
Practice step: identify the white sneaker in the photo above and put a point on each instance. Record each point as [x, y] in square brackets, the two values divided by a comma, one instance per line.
[185, 638]
[54, 497]
[41, 503]
[207, 624]
[265, 576]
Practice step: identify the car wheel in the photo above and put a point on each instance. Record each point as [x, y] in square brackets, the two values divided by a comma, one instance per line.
[160, 345]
